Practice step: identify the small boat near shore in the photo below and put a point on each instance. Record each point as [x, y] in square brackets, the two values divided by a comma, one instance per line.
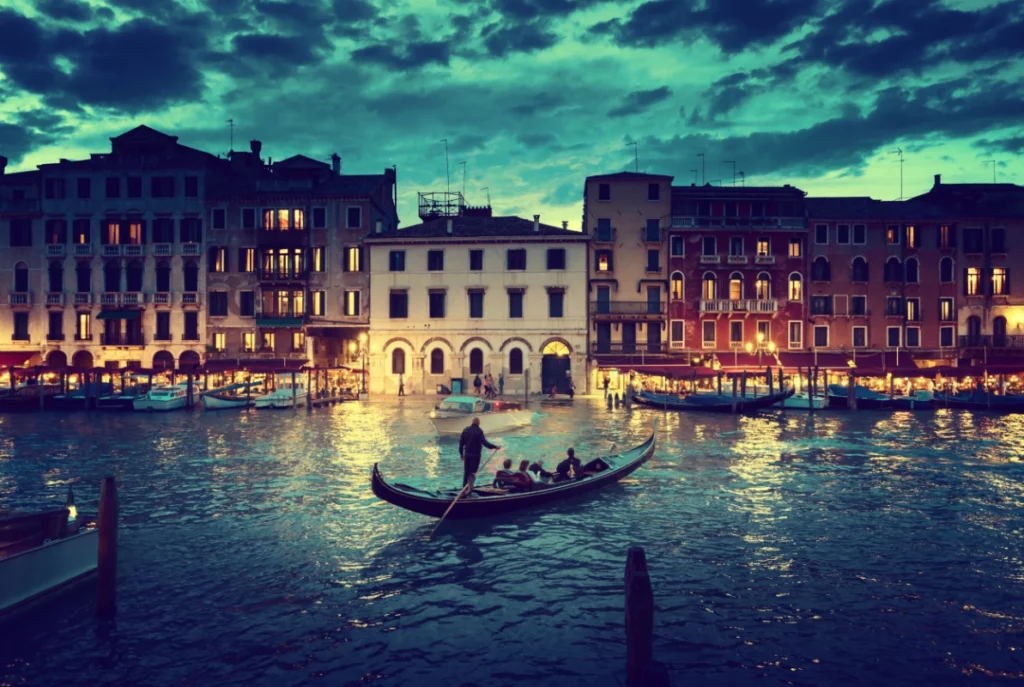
[455, 413]
[980, 400]
[839, 398]
[232, 396]
[710, 403]
[488, 501]
[284, 396]
[163, 398]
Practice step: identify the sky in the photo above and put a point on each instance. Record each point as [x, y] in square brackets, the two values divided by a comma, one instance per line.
[534, 95]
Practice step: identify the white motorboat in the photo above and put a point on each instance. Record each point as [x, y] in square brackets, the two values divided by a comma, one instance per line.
[232, 396]
[284, 396]
[801, 400]
[163, 398]
[41, 552]
[455, 413]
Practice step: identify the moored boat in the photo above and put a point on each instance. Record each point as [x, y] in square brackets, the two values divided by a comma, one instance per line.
[232, 396]
[710, 403]
[455, 413]
[284, 396]
[839, 397]
[487, 501]
[163, 398]
[981, 400]
[124, 400]
[800, 400]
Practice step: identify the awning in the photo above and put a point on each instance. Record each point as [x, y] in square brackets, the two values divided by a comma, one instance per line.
[269, 322]
[14, 358]
[746, 361]
[118, 315]
[681, 371]
[823, 361]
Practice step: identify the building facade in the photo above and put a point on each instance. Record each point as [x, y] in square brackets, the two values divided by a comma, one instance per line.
[473, 294]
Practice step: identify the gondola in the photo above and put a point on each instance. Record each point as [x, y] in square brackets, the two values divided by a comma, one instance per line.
[710, 403]
[980, 400]
[838, 397]
[487, 501]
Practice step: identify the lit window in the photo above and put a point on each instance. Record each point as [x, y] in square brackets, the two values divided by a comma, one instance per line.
[268, 219]
[135, 232]
[353, 263]
[764, 247]
[268, 341]
[677, 286]
[319, 303]
[999, 281]
[735, 286]
[113, 233]
[298, 341]
[282, 219]
[248, 342]
[351, 303]
[298, 219]
[283, 303]
[946, 313]
[912, 236]
[973, 284]
[796, 248]
[709, 287]
[604, 261]
[318, 259]
[764, 286]
[248, 259]
[298, 303]
[892, 235]
[796, 287]
[796, 334]
[219, 343]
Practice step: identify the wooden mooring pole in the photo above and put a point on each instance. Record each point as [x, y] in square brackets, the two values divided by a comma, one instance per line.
[106, 555]
[641, 669]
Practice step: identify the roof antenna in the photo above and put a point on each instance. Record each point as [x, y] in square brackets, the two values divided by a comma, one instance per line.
[993, 169]
[463, 163]
[733, 162]
[743, 178]
[694, 176]
[636, 155]
[899, 151]
[703, 177]
[447, 174]
[231, 128]
[488, 189]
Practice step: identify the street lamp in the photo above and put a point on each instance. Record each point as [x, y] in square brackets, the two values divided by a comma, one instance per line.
[362, 345]
[761, 347]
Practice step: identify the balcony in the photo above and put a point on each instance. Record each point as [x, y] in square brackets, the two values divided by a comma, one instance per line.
[275, 320]
[21, 298]
[162, 298]
[745, 305]
[111, 250]
[83, 298]
[110, 298]
[604, 236]
[133, 299]
[190, 298]
[737, 260]
[83, 250]
[627, 308]
[284, 275]
[988, 341]
[680, 221]
[710, 259]
[119, 339]
[192, 249]
[19, 205]
[764, 260]
[599, 348]
[133, 250]
[191, 337]
[54, 299]
[55, 336]
[55, 250]
[162, 249]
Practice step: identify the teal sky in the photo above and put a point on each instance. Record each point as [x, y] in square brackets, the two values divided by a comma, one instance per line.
[534, 95]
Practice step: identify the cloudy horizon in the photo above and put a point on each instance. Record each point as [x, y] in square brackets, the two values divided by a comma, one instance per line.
[534, 95]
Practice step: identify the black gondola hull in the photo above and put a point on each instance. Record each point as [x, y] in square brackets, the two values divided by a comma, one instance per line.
[748, 405]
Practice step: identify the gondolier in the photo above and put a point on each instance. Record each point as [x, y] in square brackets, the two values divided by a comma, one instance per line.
[471, 444]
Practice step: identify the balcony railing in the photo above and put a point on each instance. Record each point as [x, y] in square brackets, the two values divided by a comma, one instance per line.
[134, 250]
[55, 250]
[764, 259]
[55, 336]
[53, 298]
[737, 260]
[749, 305]
[283, 275]
[190, 249]
[119, 339]
[162, 298]
[132, 298]
[21, 298]
[738, 222]
[161, 249]
[627, 307]
[599, 347]
[989, 341]
[190, 336]
[110, 298]
[190, 298]
[83, 298]
[83, 250]
[19, 205]
[710, 259]
[111, 250]
[604, 235]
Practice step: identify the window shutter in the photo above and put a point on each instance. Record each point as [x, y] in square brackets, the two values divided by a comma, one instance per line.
[952, 236]
[965, 281]
[1007, 281]
[362, 265]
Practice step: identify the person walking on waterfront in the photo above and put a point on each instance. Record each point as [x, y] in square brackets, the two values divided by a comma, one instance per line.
[607, 381]
[501, 383]
[471, 444]
[401, 386]
[477, 384]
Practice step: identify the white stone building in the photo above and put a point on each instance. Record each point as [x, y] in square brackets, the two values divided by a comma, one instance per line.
[474, 294]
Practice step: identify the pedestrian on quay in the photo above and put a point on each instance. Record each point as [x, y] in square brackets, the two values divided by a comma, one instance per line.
[471, 444]
[477, 384]
[501, 383]
[401, 385]
[607, 381]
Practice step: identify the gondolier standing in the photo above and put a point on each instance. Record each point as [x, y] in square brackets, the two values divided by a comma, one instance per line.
[471, 444]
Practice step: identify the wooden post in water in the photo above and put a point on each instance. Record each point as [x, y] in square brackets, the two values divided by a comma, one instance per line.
[309, 390]
[743, 387]
[248, 388]
[188, 402]
[639, 617]
[851, 390]
[293, 390]
[734, 394]
[988, 390]
[892, 384]
[810, 389]
[526, 386]
[771, 380]
[719, 382]
[106, 556]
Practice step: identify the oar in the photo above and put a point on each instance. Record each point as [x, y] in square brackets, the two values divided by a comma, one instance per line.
[467, 488]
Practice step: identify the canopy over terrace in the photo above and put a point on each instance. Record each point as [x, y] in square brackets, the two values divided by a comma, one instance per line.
[263, 365]
[9, 359]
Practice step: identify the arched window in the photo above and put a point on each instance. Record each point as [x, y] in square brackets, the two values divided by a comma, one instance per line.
[893, 270]
[796, 287]
[83, 277]
[999, 332]
[56, 272]
[677, 286]
[764, 286]
[860, 269]
[437, 362]
[398, 362]
[515, 361]
[112, 276]
[191, 276]
[946, 270]
[163, 276]
[973, 330]
[709, 286]
[476, 362]
[821, 270]
[134, 275]
[911, 275]
[21, 278]
[735, 286]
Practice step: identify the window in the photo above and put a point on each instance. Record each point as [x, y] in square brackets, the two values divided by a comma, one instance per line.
[858, 305]
[764, 246]
[911, 275]
[398, 305]
[676, 332]
[912, 235]
[55, 331]
[556, 258]
[914, 309]
[796, 248]
[676, 286]
[21, 232]
[476, 304]
[247, 304]
[913, 337]
[84, 188]
[476, 260]
[81, 232]
[763, 286]
[709, 286]
[134, 187]
[676, 246]
[113, 187]
[318, 300]
[972, 241]
[515, 361]
[191, 230]
[654, 261]
[604, 192]
[736, 333]
[946, 336]
[821, 336]
[796, 287]
[353, 259]
[56, 232]
[821, 270]
[972, 281]
[248, 342]
[219, 341]
[947, 236]
[163, 326]
[248, 218]
[946, 311]
[893, 270]
[398, 362]
[476, 362]
[219, 218]
[556, 303]
[319, 218]
[842, 234]
[604, 229]
[191, 326]
[708, 333]
[736, 245]
[353, 217]
[191, 274]
[652, 231]
[709, 246]
[894, 306]
[893, 336]
[860, 269]
[892, 235]
[735, 286]
[352, 303]
[83, 325]
[653, 192]
[268, 341]
[796, 334]
[218, 304]
[298, 218]
[1000, 281]
[437, 304]
[821, 234]
[821, 305]
[946, 270]
[435, 260]
[516, 259]
[860, 234]
[515, 304]
[603, 260]
[437, 362]
[161, 187]
[860, 337]
[218, 260]
[191, 187]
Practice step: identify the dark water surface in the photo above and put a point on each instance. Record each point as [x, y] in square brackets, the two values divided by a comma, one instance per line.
[837, 549]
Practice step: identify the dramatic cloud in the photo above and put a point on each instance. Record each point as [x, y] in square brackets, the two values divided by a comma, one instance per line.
[638, 101]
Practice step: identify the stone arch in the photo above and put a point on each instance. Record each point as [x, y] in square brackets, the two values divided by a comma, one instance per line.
[163, 360]
[188, 360]
[395, 340]
[82, 360]
[474, 339]
[57, 360]
[557, 339]
[437, 339]
[516, 339]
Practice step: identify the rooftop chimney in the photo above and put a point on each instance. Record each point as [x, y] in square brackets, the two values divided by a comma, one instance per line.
[335, 164]
[451, 228]
[255, 146]
[565, 224]
[938, 180]
[536, 224]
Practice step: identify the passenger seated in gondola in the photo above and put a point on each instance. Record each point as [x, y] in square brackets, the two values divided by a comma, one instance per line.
[540, 474]
[596, 465]
[504, 473]
[570, 468]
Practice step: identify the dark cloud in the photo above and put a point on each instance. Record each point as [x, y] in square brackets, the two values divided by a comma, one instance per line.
[565, 194]
[415, 55]
[65, 10]
[277, 49]
[16, 141]
[730, 92]
[528, 10]
[638, 101]
[524, 38]
[353, 10]
[291, 15]
[1013, 145]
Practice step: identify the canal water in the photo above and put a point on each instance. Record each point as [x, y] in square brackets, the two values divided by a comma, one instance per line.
[838, 549]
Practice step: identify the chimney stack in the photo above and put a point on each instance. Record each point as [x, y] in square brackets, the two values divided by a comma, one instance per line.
[451, 228]
[336, 164]
[938, 180]
[536, 224]
[565, 224]
[255, 146]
